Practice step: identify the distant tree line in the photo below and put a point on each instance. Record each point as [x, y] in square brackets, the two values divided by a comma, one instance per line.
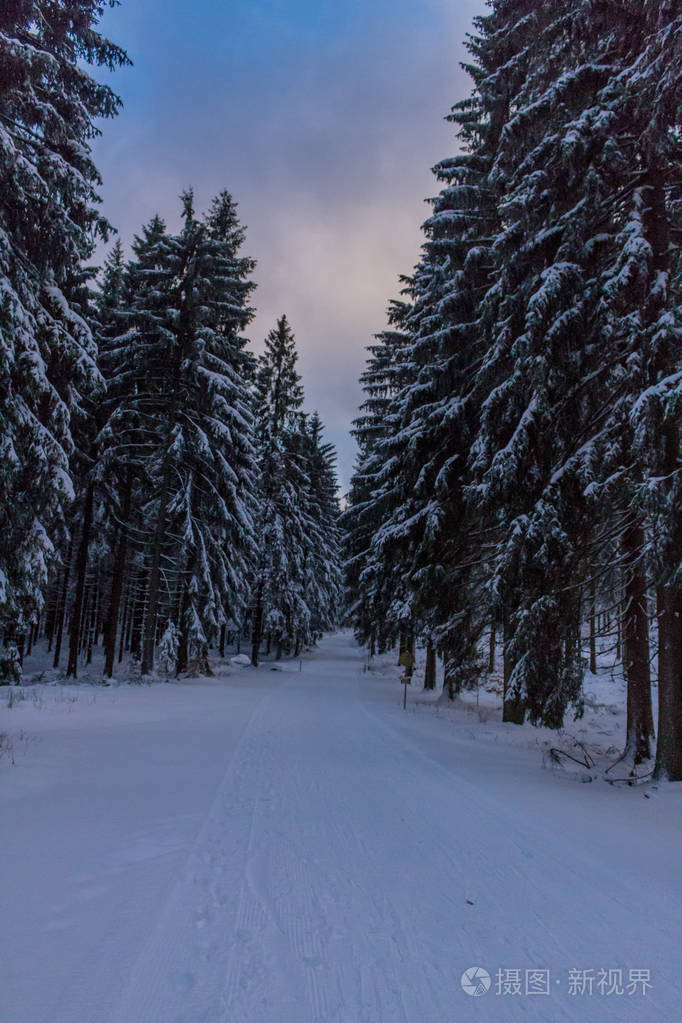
[161, 490]
[519, 478]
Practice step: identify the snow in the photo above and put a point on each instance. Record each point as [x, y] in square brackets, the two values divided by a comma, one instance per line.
[293, 847]
[240, 659]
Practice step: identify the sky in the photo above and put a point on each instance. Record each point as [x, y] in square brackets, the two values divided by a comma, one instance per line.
[323, 120]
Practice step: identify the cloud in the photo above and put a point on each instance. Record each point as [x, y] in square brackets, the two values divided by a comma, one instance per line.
[323, 121]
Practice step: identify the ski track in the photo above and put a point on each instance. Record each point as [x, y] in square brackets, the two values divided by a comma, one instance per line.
[329, 884]
[330, 878]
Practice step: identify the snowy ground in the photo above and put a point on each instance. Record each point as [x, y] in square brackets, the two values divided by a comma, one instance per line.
[293, 847]
[596, 738]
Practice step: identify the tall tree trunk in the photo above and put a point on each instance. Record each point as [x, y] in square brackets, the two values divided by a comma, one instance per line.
[491, 649]
[124, 623]
[430, 670]
[669, 745]
[21, 647]
[61, 609]
[81, 570]
[151, 615]
[257, 631]
[640, 721]
[139, 598]
[118, 576]
[182, 661]
[51, 612]
[94, 619]
[85, 617]
[513, 709]
[593, 635]
[657, 224]
[448, 680]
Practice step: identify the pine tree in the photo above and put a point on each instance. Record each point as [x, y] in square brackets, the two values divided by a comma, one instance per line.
[116, 487]
[180, 423]
[419, 534]
[541, 350]
[48, 217]
[369, 586]
[323, 585]
[529, 463]
[278, 604]
[644, 328]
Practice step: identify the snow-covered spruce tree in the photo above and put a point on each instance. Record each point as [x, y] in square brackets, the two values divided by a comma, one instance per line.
[641, 308]
[216, 507]
[180, 421]
[324, 583]
[442, 549]
[422, 542]
[116, 488]
[542, 421]
[285, 528]
[90, 514]
[536, 381]
[121, 469]
[369, 589]
[48, 220]
[557, 448]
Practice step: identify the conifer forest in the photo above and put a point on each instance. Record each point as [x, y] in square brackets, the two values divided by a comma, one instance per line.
[518, 478]
[340, 538]
[162, 487]
[519, 472]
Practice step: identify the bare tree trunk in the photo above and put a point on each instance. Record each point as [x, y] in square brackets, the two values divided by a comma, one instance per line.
[513, 709]
[94, 618]
[124, 626]
[448, 681]
[257, 631]
[430, 670]
[669, 746]
[640, 721]
[51, 612]
[152, 610]
[118, 576]
[61, 610]
[491, 649]
[81, 570]
[137, 618]
[21, 645]
[593, 635]
[112, 619]
[183, 644]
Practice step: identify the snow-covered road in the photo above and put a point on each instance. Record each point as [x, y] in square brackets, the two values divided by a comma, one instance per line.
[294, 848]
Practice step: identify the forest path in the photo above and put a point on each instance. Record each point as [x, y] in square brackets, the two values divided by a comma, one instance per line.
[344, 861]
